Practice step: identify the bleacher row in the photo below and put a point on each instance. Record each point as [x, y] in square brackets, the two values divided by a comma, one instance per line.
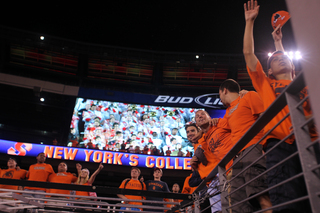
[175, 72]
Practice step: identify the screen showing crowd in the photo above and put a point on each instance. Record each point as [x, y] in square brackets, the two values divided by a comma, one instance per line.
[120, 126]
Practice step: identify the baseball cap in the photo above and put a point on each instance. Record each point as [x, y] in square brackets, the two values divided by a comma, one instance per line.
[280, 17]
[157, 168]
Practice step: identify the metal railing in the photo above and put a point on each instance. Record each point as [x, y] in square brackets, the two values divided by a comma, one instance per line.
[308, 153]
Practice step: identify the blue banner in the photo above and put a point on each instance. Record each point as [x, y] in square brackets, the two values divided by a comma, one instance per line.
[94, 156]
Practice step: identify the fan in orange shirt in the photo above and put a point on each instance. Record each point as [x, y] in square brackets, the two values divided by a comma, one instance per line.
[38, 172]
[241, 114]
[280, 73]
[61, 177]
[12, 173]
[133, 183]
[83, 179]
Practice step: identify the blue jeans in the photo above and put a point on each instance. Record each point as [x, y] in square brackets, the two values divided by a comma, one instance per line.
[133, 209]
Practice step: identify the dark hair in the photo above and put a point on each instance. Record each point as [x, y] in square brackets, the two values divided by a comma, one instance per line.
[191, 124]
[40, 153]
[231, 85]
[64, 163]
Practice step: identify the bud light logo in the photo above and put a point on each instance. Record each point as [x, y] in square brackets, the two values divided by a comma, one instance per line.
[209, 100]
[20, 149]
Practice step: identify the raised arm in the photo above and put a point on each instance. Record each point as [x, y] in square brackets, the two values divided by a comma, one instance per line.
[94, 175]
[78, 167]
[251, 11]
[277, 38]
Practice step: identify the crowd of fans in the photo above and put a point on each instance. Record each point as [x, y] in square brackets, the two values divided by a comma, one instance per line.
[130, 128]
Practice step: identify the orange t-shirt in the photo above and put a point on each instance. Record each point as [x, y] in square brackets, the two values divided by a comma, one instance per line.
[136, 185]
[218, 139]
[203, 170]
[83, 193]
[187, 189]
[39, 172]
[269, 89]
[61, 177]
[12, 174]
[241, 115]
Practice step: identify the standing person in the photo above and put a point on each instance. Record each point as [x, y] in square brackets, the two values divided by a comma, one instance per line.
[156, 185]
[85, 179]
[38, 172]
[62, 177]
[12, 173]
[280, 74]
[132, 183]
[175, 189]
[241, 114]
[205, 139]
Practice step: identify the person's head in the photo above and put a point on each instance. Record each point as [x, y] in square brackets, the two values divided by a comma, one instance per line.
[228, 90]
[83, 176]
[12, 163]
[96, 124]
[93, 107]
[135, 172]
[62, 167]
[155, 135]
[133, 137]
[175, 188]
[202, 118]
[191, 130]
[143, 117]
[115, 126]
[174, 131]
[279, 64]
[173, 141]
[41, 157]
[157, 173]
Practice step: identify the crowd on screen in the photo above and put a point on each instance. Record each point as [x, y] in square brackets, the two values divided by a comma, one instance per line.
[130, 128]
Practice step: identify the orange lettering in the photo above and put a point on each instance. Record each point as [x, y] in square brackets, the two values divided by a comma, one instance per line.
[168, 166]
[160, 162]
[186, 164]
[176, 165]
[117, 159]
[134, 160]
[88, 154]
[148, 163]
[48, 151]
[97, 156]
[70, 154]
[58, 152]
[107, 156]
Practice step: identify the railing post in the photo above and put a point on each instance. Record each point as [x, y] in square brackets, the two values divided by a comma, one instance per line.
[223, 189]
[306, 153]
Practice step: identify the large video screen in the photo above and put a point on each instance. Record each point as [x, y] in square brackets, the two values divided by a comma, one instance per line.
[118, 126]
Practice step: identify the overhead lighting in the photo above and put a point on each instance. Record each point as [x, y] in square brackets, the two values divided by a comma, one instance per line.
[292, 55]
[41, 38]
[197, 56]
[42, 99]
